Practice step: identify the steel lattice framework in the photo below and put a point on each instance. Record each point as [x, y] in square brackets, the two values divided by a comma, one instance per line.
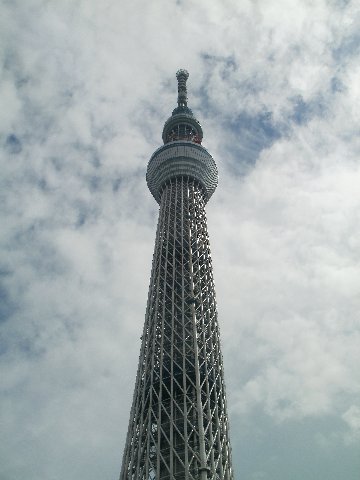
[178, 425]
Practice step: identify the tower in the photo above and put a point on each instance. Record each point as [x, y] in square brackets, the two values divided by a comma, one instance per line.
[178, 428]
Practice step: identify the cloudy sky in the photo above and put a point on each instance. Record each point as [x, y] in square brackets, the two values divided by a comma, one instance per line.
[85, 88]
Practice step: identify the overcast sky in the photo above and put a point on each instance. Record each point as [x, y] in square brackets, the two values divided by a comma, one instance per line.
[85, 89]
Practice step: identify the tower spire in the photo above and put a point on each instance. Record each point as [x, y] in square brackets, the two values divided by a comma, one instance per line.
[182, 75]
[182, 125]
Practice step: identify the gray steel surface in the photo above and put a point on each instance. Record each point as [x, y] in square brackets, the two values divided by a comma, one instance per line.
[178, 428]
[181, 158]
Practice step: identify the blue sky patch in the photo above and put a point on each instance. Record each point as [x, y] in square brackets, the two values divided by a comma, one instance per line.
[349, 47]
[251, 134]
[304, 111]
[13, 144]
[7, 307]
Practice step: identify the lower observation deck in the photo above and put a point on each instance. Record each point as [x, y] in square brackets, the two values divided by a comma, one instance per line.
[182, 158]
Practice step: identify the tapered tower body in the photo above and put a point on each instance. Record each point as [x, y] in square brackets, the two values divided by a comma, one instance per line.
[178, 427]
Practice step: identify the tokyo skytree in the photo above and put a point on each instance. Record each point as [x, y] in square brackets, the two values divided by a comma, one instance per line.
[178, 428]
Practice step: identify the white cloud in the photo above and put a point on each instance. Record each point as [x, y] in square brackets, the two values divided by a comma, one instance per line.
[352, 418]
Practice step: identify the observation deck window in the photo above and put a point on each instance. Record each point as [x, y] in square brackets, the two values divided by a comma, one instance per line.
[183, 132]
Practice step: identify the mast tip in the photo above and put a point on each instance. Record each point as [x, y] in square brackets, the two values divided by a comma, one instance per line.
[182, 73]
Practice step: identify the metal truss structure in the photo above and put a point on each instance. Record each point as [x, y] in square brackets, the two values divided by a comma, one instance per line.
[178, 427]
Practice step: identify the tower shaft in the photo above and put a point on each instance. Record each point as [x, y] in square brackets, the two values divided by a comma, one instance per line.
[178, 427]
